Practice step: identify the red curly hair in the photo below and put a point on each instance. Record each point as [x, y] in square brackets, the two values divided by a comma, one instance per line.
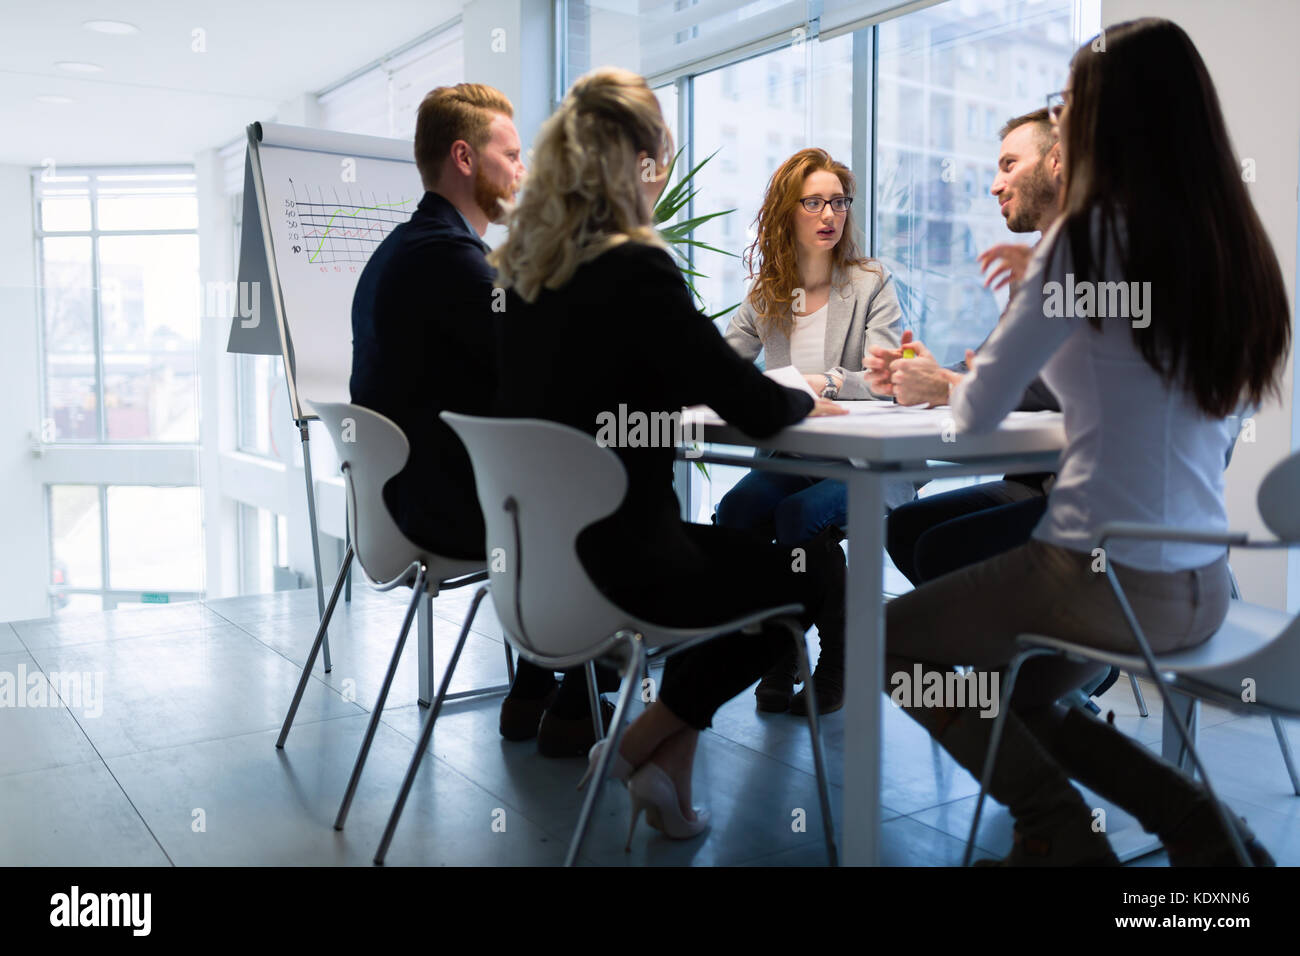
[771, 259]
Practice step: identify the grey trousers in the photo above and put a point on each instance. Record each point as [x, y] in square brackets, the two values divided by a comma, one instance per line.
[972, 616]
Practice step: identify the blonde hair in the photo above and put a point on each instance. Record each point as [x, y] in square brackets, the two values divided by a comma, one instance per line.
[451, 113]
[583, 195]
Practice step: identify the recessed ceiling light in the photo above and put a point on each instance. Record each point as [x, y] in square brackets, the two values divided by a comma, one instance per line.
[74, 67]
[117, 27]
[51, 98]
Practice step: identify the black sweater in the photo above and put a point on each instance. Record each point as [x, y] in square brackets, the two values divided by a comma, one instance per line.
[422, 343]
[624, 330]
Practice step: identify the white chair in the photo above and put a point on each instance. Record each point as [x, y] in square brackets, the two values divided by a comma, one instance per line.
[372, 449]
[540, 484]
[1254, 643]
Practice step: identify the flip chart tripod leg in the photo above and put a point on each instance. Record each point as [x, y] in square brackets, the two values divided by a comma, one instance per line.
[315, 539]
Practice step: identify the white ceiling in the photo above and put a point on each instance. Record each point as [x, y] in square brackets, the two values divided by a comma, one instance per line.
[157, 100]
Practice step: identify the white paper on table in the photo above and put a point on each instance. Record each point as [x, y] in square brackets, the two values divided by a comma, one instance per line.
[790, 377]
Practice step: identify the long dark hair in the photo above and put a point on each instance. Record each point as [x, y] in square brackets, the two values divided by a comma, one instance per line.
[1147, 154]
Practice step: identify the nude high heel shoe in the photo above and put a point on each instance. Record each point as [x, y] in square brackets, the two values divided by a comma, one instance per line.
[619, 768]
[652, 790]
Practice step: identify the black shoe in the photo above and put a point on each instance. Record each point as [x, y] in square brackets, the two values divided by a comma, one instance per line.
[521, 716]
[828, 678]
[570, 736]
[828, 682]
[773, 693]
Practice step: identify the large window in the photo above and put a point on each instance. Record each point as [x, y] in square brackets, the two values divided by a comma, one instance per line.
[115, 545]
[948, 77]
[755, 114]
[912, 103]
[117, 251]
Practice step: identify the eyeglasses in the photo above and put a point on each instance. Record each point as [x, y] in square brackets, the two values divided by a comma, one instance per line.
[814, 204]
[1056, 103]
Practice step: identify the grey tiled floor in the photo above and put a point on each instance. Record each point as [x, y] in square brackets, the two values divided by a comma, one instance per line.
[174, 762]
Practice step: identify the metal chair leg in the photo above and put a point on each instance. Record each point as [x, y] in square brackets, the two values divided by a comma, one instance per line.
[378, 711]
[990, 759]
[819, 754]
[632, 668]
[315, 649]
[593, 697]
[425, 735]
[1193, 718]
[1137, 695]
[1286, 753]
[510, 665]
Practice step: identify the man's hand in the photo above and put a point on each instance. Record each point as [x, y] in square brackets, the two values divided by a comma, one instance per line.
[920, 381]
[1006, 262]
[879, 359]
[826, 407]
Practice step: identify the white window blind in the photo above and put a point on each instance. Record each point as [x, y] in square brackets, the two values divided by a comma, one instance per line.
[676, 34]
[842, 16]
[382, 100]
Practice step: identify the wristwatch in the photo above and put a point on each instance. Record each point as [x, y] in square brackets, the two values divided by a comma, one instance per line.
[831, 390]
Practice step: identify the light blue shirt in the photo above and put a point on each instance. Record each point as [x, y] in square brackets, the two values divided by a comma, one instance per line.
[1136, 448]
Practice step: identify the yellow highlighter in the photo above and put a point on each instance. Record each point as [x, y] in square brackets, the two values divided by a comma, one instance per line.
[909, 353]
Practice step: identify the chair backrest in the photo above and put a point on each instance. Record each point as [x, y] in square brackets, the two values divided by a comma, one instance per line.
[1279, 498]
[540, 484]
[371, 449]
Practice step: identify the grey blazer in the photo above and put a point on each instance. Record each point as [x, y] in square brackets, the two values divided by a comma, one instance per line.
[861, 313]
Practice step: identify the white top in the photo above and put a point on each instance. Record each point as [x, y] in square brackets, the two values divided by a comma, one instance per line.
[808, 341]
[1135, 449]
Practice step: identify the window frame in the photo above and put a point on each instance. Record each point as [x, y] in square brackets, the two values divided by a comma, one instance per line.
[94, 233]
[111, 597]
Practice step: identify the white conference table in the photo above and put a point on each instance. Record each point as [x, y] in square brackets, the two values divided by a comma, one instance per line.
[877, 441]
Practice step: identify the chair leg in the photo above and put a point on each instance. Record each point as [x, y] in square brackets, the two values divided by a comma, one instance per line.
[1286, 753]
[425, 735]
[378, 711]
[632, 669]
[1137, 695]
[990, 759]
[315, 649]
[819, 753]
[593, 697]
[510, 665]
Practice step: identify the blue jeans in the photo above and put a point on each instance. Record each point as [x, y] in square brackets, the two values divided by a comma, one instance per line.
[789, 508]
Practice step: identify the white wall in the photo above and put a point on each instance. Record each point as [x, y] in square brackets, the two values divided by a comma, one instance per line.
[1249, 48]
[24, 557]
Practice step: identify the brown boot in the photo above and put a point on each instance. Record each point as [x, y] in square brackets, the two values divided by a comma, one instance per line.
[1054, 827]
[1165, 801]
